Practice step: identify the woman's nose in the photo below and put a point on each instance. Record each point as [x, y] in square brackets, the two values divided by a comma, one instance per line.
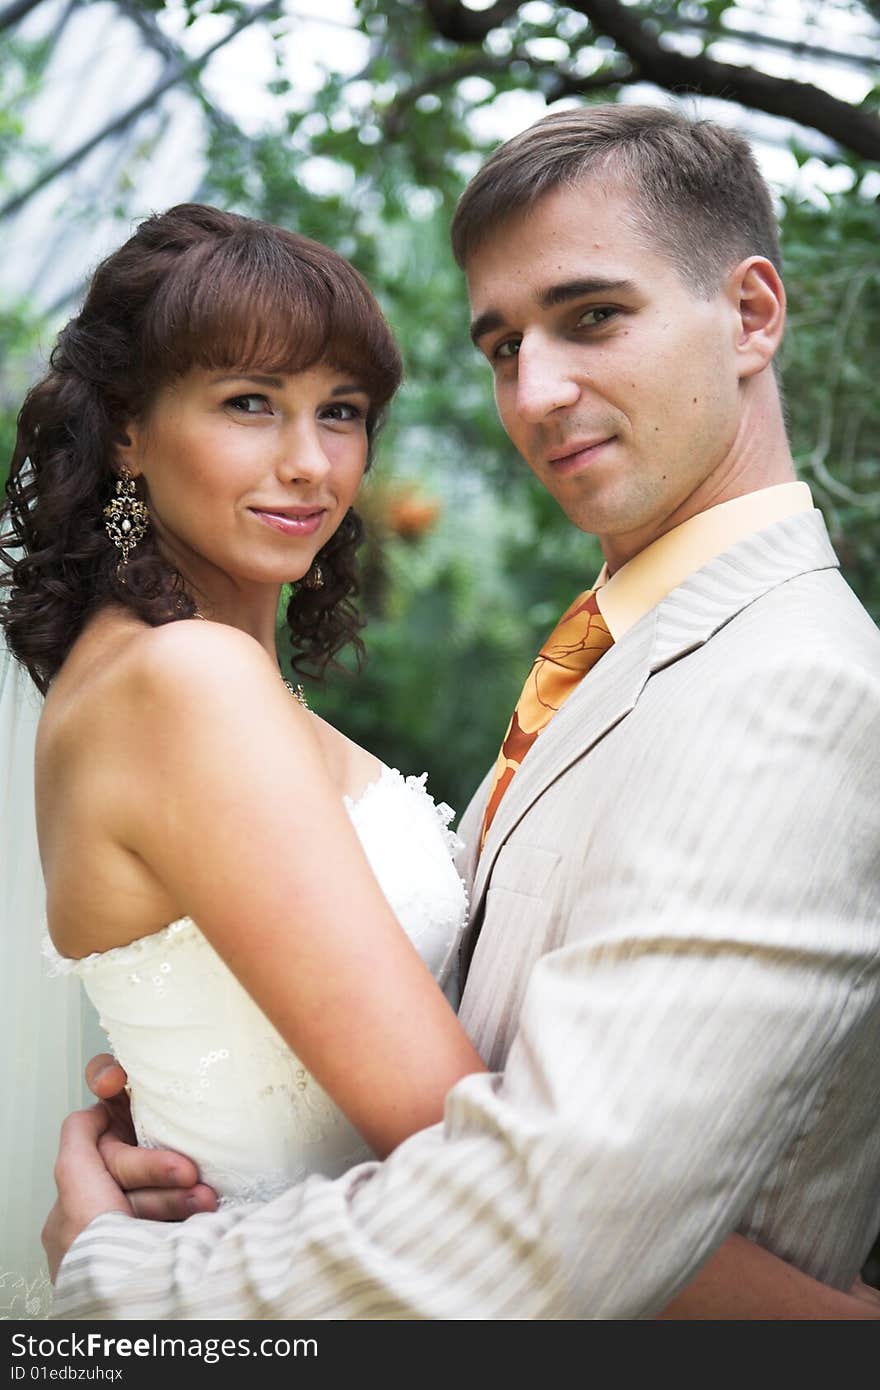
[302, 455]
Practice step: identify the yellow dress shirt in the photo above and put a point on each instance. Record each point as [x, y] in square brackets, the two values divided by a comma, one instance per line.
[640, 584]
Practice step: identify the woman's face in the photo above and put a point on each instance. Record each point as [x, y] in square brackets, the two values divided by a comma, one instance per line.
[250, 475]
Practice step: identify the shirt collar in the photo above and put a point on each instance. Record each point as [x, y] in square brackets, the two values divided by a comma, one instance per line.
[640, 584]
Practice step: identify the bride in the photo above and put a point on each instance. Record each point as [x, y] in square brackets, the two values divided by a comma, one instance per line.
[226, 873]
[198, 444]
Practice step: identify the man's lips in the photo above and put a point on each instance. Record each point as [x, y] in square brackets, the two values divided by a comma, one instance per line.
[576, 454]
[291, 521]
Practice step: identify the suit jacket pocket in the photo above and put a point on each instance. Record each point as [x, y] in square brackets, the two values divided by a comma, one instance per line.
[524, 869]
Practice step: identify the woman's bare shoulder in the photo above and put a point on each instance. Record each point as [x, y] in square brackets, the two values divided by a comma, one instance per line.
[125, 679]
[192, 654]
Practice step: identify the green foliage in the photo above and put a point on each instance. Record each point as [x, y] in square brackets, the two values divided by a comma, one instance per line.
[373, 165]
[21, 328]
[830, 362]
[21, 71]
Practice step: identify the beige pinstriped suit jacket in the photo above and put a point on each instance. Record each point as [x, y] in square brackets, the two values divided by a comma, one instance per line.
[677, 966]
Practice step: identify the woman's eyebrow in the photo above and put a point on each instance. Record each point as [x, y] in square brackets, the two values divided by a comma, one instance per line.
[259, 379]
[348, 387]
[256, 377]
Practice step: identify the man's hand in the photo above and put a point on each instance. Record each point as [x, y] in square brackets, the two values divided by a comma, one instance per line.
[159, 1185]
[100, 1168]
[85, 1188]
[868, 1294]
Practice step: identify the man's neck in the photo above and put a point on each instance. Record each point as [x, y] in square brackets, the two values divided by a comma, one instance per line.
[760, 458]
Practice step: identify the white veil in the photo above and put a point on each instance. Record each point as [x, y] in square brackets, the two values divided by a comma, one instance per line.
[46, 1026]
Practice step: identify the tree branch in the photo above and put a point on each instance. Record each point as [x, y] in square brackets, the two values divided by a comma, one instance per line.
[606, 79]
[175, 71]
[453, 21]
[802, 102]
[714, 33]
[19, 9]
[483, 65]
[851, 127]
[559, 83]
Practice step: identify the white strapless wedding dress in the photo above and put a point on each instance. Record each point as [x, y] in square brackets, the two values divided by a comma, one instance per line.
[209, 1075]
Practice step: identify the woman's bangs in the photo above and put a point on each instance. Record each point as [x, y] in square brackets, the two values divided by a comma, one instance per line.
[226, 316]
[253, 306]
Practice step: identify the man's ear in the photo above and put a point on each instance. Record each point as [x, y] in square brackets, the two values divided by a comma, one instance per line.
[758, 295]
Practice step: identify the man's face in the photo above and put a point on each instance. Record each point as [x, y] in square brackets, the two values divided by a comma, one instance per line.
[618, 385]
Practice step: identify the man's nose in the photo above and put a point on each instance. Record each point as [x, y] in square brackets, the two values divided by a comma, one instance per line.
[544, 380]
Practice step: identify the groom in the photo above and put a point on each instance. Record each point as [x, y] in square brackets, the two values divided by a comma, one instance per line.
[675, 954]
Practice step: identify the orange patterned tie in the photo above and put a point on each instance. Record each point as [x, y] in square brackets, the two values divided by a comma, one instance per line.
[574, 646]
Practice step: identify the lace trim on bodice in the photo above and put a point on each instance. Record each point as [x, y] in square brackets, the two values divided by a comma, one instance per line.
[359, 809]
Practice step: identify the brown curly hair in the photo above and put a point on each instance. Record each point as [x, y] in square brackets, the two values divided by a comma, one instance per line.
[194, 287]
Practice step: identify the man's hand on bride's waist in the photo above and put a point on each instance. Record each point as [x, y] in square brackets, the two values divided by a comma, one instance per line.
[100, 1169]
[159, 1184]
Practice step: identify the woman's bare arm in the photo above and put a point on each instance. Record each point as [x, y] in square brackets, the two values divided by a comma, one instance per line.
[238, 819]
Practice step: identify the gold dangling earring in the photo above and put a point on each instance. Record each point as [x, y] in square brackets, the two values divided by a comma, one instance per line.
[314, 579]
[126, 517]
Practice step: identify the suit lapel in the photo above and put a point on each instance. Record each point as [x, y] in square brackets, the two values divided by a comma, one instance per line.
[686, 619]
[715, 594]
[605, 697]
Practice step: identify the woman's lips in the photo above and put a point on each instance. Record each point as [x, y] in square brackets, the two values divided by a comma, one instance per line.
[290, 523]
[581, 456]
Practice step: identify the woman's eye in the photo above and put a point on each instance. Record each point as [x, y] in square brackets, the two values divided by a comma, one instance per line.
[343, 410]
[504, 351]
[248, 405]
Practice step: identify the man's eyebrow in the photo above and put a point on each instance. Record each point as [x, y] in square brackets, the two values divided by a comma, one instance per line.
[485, 323]
[576, 289]
[550, 298]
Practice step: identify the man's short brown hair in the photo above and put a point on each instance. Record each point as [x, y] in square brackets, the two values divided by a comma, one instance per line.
[697, 194]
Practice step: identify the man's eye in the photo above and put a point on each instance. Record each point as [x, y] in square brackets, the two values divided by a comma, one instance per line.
[248, 405]
[504, 351]
[593, 318]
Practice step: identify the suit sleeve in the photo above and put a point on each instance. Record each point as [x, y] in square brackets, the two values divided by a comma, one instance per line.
[665, 1057]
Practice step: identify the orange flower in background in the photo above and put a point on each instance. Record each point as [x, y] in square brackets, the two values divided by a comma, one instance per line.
[409, 513]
